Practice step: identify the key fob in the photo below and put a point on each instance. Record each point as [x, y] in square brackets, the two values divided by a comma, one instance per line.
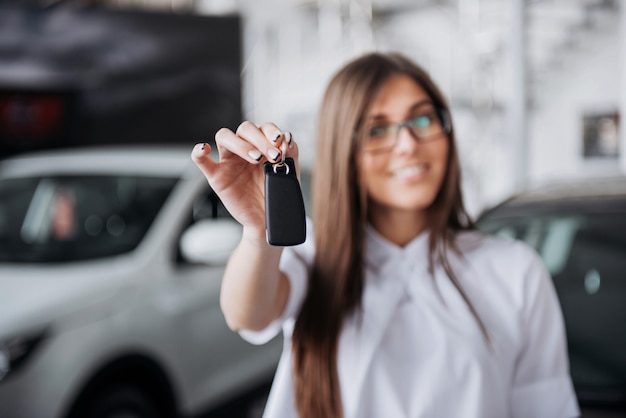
[285, 223]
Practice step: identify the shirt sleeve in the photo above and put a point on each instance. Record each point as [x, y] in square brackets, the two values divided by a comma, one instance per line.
[542, 386]
[295, 262]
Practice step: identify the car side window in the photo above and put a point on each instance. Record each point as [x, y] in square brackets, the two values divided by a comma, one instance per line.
[556, 245]
[209, 206]
[72, 218]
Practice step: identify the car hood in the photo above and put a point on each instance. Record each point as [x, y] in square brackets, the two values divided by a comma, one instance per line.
[32, 297]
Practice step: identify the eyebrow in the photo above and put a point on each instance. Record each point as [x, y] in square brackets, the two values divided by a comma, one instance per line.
[411, 109]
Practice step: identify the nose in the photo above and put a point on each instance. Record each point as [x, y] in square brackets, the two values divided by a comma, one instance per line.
[405, 140]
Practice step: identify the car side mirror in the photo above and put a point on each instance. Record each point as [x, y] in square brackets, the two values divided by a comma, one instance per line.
[210, 241]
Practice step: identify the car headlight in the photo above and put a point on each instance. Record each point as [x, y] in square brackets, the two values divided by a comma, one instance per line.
[15, 351]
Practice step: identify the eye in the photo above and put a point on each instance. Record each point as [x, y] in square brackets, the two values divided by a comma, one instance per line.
[378, 131]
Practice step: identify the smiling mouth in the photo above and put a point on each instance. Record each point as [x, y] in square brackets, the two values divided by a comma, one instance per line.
[409, 172]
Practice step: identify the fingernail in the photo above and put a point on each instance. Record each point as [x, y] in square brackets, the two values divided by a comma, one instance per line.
[276, 136]
[288, 137]
[203, 145]
[273, 153]
[255, 154]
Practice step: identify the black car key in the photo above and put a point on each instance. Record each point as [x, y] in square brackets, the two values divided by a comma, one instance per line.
[285, 223]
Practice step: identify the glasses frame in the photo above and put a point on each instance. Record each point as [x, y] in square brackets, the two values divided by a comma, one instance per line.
[444, 119]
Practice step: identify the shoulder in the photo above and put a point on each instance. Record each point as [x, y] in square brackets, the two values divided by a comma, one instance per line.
[492, 250]
[508, 278]
[506, 266]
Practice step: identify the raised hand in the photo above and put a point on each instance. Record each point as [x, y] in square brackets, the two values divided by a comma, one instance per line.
[238, 177]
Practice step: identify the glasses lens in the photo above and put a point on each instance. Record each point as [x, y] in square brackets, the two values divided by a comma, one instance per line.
[422, 124]
[426, 125]
[379, 137]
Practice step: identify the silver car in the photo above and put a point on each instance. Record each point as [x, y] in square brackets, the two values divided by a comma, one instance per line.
[110, 268]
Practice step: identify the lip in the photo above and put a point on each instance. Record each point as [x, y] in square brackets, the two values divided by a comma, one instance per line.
[409, 173]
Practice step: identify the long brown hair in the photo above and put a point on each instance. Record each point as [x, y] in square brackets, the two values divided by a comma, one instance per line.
[340, 215]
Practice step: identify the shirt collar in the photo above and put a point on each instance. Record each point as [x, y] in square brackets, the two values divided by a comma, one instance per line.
[379, 251]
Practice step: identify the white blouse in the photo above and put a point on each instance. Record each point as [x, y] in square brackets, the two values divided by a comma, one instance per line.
[415, 349]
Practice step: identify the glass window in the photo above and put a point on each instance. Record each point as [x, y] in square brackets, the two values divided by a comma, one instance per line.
[60, 219]
[209, 206]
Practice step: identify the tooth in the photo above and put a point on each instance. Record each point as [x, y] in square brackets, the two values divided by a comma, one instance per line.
[409, 171]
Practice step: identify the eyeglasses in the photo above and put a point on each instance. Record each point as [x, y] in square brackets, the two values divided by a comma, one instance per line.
[427, 123]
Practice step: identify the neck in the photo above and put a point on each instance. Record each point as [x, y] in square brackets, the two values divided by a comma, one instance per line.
[398, 226]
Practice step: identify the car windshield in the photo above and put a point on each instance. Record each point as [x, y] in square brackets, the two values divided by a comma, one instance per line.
[586, 256]
[70, 218]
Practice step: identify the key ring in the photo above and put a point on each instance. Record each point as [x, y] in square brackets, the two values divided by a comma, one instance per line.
[283, 156]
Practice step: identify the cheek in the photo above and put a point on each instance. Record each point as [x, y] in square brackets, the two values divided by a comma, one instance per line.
[372, 173]
[441, 157]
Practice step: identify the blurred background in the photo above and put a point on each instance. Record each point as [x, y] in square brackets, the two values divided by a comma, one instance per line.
[536, 87]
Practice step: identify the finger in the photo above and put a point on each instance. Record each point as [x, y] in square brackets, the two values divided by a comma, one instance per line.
[294, 152]
[272, 132]
[255, 136]
[288, 137]
[228, 143]
[290, 145]
[200, 156]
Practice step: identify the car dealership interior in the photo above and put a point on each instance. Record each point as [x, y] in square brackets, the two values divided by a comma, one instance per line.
[102, 102]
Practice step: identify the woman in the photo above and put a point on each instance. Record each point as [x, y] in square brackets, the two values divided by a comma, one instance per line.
[393, 307]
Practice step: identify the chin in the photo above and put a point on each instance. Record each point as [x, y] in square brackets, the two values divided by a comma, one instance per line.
[416, 196]
[404, 203]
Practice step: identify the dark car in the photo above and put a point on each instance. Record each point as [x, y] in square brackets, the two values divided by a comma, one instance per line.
[579, 229]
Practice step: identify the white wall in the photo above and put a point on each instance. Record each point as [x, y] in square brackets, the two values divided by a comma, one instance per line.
[588, 80]
[289, 57]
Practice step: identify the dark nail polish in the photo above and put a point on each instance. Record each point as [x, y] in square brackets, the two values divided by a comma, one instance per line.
[276, 136]
[274, 154]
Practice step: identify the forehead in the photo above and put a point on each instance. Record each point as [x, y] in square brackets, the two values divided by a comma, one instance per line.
[397, 95]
